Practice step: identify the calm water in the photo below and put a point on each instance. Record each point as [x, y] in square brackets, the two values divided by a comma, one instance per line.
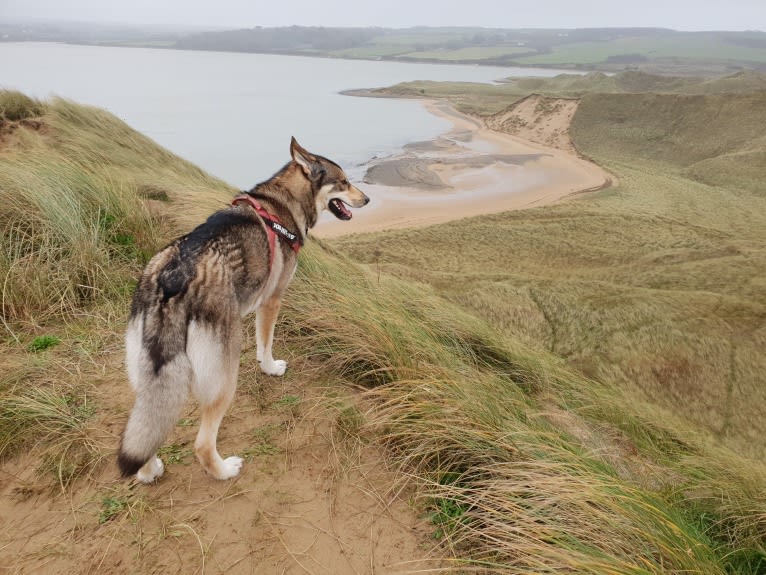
[233, 114]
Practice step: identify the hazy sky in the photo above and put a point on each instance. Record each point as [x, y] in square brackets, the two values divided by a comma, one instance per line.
[676, 14]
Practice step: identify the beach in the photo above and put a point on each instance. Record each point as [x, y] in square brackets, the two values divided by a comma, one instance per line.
[468, 171]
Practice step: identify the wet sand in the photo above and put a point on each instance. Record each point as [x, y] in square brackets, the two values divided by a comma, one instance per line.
[469, 171]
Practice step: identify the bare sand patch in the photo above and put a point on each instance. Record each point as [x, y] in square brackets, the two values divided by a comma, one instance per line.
[313, 497]
[538, 119]
[473, 170]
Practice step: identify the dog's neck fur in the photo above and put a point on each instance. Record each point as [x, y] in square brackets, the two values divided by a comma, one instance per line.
[287, 188]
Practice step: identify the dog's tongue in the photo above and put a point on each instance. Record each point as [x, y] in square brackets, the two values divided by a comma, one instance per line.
[341, 207]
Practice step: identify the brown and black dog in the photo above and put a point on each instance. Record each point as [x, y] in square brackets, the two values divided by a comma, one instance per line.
[185, 327]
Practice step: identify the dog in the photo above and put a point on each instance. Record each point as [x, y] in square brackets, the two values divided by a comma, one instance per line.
[184, 331]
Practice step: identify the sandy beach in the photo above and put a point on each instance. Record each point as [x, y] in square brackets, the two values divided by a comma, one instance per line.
[468, 171]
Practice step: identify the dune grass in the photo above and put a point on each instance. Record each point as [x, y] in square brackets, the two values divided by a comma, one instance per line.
[54, 419]
[524, 464]
[74, 218]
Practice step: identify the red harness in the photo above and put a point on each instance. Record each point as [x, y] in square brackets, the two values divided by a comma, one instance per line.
[273, 227]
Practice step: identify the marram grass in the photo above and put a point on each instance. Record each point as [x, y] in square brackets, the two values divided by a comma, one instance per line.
[55, 419]
[74, 217]
[475, 420]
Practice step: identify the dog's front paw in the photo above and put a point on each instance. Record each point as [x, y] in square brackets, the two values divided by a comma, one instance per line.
[230, 467]
[274, 367]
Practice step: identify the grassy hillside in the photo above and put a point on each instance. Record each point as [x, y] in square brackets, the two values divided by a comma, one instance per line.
[522, 463]
[715, 139]
[655, 284]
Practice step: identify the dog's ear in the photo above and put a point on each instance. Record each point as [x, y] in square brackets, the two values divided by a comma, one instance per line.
[306, 160]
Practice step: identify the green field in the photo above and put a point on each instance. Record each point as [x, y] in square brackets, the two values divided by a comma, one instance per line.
[467, 54]
[485, 99]
[371, 52]
[701, 46]
[570, 389]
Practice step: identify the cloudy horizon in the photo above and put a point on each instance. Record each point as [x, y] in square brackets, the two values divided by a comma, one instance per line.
[683, 15]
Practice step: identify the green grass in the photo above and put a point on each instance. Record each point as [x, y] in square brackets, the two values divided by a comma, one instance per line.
[263, 442]
[119, 504]
[176, 453]
[43, 342]
[112, 507]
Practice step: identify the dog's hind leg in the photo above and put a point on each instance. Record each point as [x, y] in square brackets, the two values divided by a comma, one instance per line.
[214, 355]
[265, 319]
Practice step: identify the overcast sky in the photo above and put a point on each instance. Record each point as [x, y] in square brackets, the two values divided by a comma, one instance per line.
[676, 14]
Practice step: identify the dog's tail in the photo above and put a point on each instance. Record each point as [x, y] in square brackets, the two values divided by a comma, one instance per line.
[158, 405]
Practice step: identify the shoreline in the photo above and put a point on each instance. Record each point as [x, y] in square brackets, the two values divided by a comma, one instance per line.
[468, 171]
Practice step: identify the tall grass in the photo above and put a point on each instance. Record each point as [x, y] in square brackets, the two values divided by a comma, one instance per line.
[72, 238]
[74, 222]
[475, 419]
[15, 106]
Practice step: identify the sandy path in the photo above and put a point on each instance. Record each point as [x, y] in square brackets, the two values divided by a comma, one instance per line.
[468, 171]
[311, 498]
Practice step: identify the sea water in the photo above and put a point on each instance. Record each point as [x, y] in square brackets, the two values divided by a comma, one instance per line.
[233, 114]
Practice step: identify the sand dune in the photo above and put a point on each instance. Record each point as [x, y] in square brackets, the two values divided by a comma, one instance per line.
[468, 171]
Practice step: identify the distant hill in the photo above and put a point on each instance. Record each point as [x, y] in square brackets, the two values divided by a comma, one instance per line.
[90, 33]
[655, 50]
[606, 49]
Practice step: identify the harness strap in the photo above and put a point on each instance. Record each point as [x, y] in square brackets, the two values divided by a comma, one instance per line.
[273, 227]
